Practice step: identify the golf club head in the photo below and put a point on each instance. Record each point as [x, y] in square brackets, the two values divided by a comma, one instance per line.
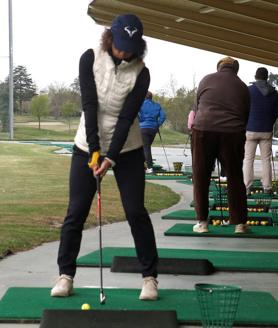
[102, 298]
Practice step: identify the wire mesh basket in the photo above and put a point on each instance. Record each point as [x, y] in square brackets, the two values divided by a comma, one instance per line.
[177, 166]
[218, 304]
[275, 186]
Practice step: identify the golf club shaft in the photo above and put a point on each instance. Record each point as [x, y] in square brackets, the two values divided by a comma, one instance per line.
[163, 149]
[186, 142]
[273, 166]
[219, 186]
[102, 296]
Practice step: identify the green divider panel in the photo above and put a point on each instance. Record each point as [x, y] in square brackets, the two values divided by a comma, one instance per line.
[180, 229]
[27, 304]
[221, 260]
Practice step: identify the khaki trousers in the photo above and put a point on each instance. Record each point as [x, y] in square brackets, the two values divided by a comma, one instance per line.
[264, 140]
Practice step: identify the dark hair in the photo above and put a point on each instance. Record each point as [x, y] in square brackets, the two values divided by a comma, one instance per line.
[107, 40]
[261, 73]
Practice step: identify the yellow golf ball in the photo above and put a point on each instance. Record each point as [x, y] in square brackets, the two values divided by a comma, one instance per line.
[85, 306]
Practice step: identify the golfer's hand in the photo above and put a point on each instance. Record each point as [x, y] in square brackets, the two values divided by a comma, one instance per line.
[101, 171]
[94, 161]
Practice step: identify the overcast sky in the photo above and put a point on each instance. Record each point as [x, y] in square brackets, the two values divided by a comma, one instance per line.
[50, 35]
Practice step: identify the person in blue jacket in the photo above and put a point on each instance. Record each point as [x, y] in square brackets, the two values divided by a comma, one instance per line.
[151, 117]
[262, 116]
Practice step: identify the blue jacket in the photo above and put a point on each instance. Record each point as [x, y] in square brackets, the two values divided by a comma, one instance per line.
[151, 115]
[264, 107]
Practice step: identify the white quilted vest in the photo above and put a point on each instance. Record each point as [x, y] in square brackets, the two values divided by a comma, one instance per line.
[113, 86]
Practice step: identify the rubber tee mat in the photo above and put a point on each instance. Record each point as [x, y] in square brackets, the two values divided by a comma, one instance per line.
[221, 260]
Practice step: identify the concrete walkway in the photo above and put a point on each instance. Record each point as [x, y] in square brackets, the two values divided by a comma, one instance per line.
[37, 267]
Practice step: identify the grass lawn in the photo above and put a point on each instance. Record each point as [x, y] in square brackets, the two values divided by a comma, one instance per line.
[170, 137]
[31, 133]
[26, 128]
[61, 133]
[34, 196]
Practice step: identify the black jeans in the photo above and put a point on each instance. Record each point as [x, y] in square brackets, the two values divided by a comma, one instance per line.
[130, 176]
[148, 136]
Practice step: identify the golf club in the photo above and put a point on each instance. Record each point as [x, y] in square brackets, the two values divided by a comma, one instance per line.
[163, 149]
[273, 166]
[186, 142]
[101, 293]
[220, 194]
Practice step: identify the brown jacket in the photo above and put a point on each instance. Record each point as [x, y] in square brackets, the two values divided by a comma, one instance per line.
[222, 102]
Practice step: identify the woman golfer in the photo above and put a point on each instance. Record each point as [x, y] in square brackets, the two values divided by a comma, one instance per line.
[113, 81]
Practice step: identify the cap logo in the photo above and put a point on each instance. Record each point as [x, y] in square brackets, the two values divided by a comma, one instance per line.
[130, 31]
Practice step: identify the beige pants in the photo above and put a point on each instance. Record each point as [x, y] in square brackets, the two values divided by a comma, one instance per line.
[264, 140]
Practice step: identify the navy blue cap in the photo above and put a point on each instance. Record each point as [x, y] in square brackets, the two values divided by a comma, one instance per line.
[127, 31]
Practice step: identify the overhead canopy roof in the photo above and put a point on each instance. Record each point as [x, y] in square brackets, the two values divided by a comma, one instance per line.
[246, 29]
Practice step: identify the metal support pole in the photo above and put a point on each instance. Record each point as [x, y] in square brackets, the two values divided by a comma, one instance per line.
[11, 78]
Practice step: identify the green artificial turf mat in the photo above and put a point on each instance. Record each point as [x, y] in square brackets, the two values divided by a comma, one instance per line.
[27, 304]
[180, 229]
[191, 215]
[221, 260]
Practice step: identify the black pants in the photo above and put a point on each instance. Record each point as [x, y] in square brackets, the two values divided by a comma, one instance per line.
[148, 136]
[228, 148]
[130, 177]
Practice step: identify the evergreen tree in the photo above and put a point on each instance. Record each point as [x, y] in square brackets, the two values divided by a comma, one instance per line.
[24, 87]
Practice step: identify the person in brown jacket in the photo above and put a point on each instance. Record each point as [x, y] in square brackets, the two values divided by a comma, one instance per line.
[218, 132]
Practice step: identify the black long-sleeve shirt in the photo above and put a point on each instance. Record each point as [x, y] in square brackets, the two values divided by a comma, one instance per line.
[89, 101]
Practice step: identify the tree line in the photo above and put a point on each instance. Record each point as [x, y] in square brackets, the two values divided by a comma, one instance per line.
[60, 101]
